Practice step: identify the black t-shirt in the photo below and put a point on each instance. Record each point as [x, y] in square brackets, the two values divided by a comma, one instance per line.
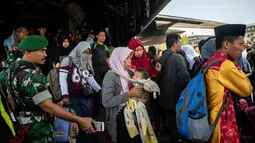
[99, 55]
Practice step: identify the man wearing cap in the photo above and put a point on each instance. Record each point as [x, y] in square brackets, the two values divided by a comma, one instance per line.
[225, 76]
[34, 109]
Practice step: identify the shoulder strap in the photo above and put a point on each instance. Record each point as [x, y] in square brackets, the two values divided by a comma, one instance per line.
[124, 76]
[95, 45]
[205, 68]
[106, 48]
[167, 58]
[225, 102]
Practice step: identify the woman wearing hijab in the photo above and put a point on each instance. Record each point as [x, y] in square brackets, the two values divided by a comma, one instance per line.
[208, 48]
[77, 82]
[115, 94]
[190, 55]
[63, 49]
[141, 58]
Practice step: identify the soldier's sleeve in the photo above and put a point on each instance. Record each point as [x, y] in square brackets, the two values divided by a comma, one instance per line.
[36, 86]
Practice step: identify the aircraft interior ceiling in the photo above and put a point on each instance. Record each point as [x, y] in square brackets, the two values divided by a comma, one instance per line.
[123, 18]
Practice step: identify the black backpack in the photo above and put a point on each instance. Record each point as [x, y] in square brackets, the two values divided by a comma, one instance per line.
[199, 62]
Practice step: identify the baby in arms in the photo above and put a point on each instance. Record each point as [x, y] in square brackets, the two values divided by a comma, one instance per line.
[139, 74]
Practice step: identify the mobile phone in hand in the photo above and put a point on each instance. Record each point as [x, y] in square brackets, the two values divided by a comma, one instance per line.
[98, 126]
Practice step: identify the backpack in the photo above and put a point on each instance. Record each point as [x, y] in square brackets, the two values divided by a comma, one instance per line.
[54, 85]
[191, 109]
[199, 62]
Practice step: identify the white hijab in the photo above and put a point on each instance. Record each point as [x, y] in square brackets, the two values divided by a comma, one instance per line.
[119, 55]
[190, 53]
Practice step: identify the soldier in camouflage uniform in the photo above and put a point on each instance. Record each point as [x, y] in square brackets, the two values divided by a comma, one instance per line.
[29, 87]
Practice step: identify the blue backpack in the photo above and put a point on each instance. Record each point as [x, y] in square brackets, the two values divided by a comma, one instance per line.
[191, 109]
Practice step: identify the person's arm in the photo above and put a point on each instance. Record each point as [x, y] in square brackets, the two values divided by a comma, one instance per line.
[63, 84]
[234, 79]
[56, 110]
[35, 86]
[182, 71]
[109, 97]
[63, 75]
[92, 82]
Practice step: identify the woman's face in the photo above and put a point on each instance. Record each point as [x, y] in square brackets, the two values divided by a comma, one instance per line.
[127, 62]
[66, 43]
[87, 51]
[139, 52]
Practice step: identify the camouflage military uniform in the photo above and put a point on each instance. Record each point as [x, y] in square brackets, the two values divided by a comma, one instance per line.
[30, 87]
[13, 56]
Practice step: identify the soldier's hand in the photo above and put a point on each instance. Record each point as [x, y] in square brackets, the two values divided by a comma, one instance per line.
[86, 125]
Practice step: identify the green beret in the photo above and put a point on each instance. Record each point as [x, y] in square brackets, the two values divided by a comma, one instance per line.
[33, 43]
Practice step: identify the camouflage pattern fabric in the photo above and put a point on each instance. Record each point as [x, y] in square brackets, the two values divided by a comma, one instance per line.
[26, 85]
[14, 55]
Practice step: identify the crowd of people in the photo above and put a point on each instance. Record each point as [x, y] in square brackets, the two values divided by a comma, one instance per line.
[137, 89]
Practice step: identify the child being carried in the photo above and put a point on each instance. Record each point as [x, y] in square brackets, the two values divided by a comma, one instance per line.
[139, 74]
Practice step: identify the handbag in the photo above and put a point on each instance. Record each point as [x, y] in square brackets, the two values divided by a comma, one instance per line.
[88, 92]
